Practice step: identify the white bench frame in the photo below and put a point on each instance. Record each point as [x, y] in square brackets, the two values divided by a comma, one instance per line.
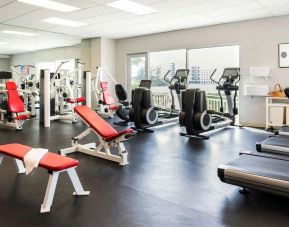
[17, 124]
[52, 182]
[94, 150]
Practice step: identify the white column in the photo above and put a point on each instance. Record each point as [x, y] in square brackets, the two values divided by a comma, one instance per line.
[46, 98]
[88, 89]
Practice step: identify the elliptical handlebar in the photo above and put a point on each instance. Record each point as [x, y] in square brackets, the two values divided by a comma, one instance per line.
[165, 77]
[211, 77]
[238, 77]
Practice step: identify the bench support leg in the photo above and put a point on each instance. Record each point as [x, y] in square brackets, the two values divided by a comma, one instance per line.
[123, 154]
[102, 150]
[1, 158]
[76, 183]
[49, 194]
[20, 166]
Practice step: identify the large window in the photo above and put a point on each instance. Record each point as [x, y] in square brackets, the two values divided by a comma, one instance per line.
[201, 62]
[137, 70]
[163, 62]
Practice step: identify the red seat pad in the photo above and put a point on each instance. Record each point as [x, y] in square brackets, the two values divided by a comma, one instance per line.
[95, 121]
[10, 85]
[78, 100]
[50, 161]
[113, 107]
[126, 131]
[22, 117]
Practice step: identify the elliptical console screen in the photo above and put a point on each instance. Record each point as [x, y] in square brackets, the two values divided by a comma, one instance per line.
[233, 73]
[146, 84]
[182, 74]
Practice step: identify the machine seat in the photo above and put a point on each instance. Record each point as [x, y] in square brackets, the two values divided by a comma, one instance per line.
[77, 100]
[22, 117]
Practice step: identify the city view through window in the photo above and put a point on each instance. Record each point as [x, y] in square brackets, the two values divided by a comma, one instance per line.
[201, 63]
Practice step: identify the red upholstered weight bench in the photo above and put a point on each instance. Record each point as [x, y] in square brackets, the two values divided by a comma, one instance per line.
[106, 134]
[54, 163]
[15, 106]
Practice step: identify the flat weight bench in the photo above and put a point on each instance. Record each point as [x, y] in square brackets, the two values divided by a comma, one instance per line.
[54, 163]
[106, 134]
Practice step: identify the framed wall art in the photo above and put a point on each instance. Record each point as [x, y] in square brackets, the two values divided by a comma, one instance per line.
[284, 55]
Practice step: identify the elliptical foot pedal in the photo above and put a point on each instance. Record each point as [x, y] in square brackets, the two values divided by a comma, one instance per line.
[244, 191]
[121, 123]
[195, 136]
[146, 130]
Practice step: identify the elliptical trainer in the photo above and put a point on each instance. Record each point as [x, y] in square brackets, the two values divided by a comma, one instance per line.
[143, 113]
[197, 118]
[177, 83]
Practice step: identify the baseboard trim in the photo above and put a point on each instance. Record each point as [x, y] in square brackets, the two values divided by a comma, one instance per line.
[252, 124]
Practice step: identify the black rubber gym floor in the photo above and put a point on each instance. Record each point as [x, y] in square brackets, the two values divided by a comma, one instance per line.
[170, 181]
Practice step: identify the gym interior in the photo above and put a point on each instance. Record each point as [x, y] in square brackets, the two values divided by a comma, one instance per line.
[144, 113]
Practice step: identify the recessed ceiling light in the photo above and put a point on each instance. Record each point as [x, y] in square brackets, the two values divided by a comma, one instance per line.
[50, 5]
[132, 7]
[60, 21]
[20, 33]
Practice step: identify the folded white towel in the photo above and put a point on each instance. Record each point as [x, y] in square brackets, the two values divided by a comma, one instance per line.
[32, 158]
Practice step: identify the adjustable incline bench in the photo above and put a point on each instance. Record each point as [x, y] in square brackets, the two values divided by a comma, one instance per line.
[106, 134]
[54, 163]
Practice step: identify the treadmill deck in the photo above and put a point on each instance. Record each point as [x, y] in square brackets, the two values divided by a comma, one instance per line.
[253, 170]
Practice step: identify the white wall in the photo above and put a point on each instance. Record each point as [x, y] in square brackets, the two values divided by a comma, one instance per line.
[258, 42]
[99, 52]
[108, 49]
[33, 58]
[5, 64]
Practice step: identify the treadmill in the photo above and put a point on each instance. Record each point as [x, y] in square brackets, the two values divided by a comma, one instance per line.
[278, 144]
[284, 131]
[262, 171]
[275, 144]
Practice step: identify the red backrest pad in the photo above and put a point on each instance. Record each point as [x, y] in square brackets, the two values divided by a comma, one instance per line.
[108, 100]
[15, 103]
[10, 85]
[95, 121]
[50, 161]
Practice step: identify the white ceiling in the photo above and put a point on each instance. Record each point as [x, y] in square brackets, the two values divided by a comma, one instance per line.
[109, 22]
